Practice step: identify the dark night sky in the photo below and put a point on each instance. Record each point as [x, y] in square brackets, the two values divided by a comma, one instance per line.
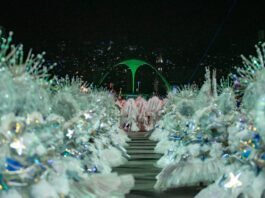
[189, 25]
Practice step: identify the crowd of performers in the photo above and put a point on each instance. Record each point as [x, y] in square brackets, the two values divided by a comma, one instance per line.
[139, 114]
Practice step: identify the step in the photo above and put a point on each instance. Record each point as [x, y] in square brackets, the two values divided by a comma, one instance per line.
[139, 138]
[143, 151]
[139, 175]
[144, 157]
[142, 165]
[148, 162]
[146, 147]
[146, 176]
[187, 192]
[136, 133]
[142, 143]
[131, 169]
[143, 185]
[137, 145]
[133, 140]
[149, 167]
[136, 171]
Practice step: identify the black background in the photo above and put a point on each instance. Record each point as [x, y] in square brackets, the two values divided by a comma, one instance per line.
[224, 27]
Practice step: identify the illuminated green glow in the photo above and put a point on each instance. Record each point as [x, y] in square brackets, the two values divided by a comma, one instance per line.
[133, 65]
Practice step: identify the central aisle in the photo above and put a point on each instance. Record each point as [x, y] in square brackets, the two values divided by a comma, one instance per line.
[142, 166]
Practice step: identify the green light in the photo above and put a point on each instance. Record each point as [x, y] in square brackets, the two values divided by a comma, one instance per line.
[133, 65]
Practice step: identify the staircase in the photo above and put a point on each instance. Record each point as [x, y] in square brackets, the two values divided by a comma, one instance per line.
[141, 165]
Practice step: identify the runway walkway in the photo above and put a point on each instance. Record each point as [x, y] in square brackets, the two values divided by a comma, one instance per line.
[142, 166]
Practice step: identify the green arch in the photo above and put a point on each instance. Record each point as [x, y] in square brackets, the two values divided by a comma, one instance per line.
[133, 65]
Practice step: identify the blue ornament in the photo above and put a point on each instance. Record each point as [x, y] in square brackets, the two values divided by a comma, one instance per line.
[38, 162]
[246, 153]
[203, 158]
[225, 156]
[199, 136]
[256, 137]
[55, 125]
[256, 140]
[50, 161]
[66, 154]
[175, 137]
[13, 165]
[262, 156]
[92, 170]
[206, 140]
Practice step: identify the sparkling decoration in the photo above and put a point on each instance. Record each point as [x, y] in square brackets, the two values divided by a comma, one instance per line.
[88, 116]
[18, 145]
[18, 127]
[92, 170]
[70, 133]
[234, 181]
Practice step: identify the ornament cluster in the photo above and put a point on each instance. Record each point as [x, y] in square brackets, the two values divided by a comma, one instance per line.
[214, 136]
[59, 137]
